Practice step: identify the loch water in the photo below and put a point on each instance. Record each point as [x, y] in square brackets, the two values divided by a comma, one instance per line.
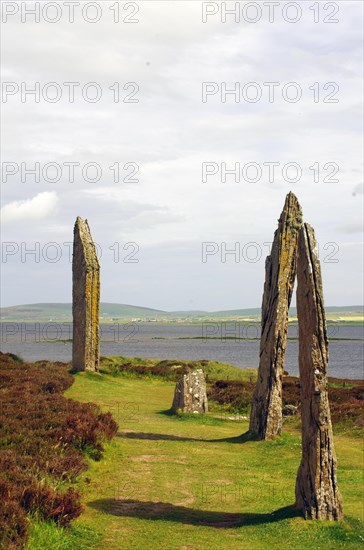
[227, 342]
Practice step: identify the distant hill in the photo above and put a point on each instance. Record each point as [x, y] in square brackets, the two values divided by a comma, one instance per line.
[109, 312]
[63, 312]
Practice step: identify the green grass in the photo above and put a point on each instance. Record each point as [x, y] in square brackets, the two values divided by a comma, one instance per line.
[195, 483]
[213, 369]
[110, 312]
[48, 535]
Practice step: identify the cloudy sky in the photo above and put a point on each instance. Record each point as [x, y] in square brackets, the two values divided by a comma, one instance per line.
[159, 136]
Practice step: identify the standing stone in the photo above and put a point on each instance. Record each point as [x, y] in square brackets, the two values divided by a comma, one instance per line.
[280, 272]
[86, 299]
[190, 393]
[317, 493]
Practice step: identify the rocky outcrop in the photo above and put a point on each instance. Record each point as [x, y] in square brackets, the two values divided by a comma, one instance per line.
[280, 272]
[190, 393]
[85, 299]
[317, 492]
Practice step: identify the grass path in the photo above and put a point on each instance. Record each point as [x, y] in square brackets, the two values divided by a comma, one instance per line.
[193, 484]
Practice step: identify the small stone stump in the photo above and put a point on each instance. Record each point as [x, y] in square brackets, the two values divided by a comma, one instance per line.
[190, 393]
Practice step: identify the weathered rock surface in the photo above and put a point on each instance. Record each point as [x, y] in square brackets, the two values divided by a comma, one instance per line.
[190, 393]
[290, 410]
[85, 299]
[280, 272]
[317, 492]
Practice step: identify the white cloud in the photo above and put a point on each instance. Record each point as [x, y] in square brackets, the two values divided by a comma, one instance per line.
[169, 134]
[358, 189]
[355, 226]
[39, 207]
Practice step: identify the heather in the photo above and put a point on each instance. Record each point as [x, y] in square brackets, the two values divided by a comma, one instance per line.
[231, 389]
[45, 442]
[346, 399]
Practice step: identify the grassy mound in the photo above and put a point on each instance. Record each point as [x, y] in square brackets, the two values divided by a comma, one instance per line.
[196, 481]
[173, 369]
[230, 389]
[183, 482]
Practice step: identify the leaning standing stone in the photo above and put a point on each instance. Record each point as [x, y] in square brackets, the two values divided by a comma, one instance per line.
[190, 393]
[85, 299]
[280, 273]
[317, 493]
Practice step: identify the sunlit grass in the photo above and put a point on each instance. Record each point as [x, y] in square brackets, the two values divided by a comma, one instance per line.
[170, 482]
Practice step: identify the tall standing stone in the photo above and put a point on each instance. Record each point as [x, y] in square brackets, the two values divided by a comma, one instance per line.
[317, 492]
[280, 272]
[190, 393]
[86, 299]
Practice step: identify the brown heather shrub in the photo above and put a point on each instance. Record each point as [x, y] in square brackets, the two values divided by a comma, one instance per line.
[237, 395]
[49, 504]
[43, 435]
[13, 525]
[167, 369]
[346, 397]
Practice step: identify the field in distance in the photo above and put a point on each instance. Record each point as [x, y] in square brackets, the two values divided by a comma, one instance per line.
[110, 313]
